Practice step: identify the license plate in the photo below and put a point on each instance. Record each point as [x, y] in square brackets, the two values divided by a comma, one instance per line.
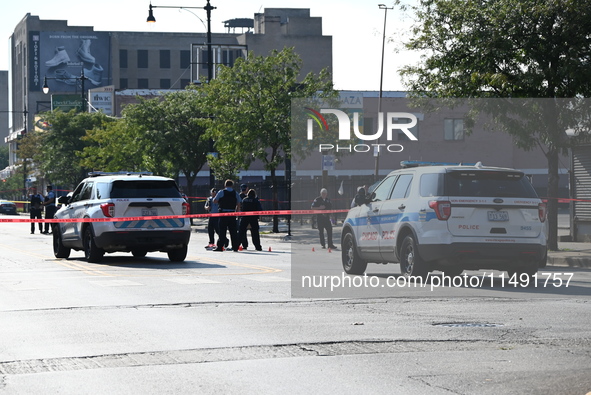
[149, 212]
[498, 216]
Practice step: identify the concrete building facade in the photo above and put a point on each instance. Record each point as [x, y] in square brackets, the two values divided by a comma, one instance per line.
[4, 114]
[74, 59]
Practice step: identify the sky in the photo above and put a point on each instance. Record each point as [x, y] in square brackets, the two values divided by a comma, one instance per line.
[356, 28]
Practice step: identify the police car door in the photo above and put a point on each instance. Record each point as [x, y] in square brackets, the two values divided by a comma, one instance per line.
[77, 209]
[393, 213]
[369, 217]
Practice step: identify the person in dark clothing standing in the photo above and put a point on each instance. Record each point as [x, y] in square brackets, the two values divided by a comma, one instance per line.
[50, 207]
[243, 193]
[228, 201]
[322, 202]
[36, 209]
[212, 223]
[251, 203]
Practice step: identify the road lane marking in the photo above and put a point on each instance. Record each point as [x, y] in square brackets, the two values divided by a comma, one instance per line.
[116, 283]
[93, 269]
[28, 286]
[269, 279]
[258, 269]
[25, 252]
[192, 280]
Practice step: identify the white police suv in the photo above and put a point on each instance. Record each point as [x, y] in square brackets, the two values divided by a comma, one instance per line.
[127, 195]
[449, 218]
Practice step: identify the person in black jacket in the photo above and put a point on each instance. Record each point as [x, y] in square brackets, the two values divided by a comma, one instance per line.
[229, 202]
[36, 209]
[250, 203]
[322, 202]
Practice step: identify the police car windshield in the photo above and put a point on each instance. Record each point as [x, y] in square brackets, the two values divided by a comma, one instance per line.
[486, 183]
[145, 189]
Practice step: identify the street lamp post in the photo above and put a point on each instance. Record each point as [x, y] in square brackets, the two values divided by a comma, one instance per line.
[208, 8]
[82, 78]
[377, 153]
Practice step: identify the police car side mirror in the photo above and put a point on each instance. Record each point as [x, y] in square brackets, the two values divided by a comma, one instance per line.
[63, 199]
[372, 197]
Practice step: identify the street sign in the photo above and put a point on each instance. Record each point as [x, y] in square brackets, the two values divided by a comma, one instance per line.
[327, 162]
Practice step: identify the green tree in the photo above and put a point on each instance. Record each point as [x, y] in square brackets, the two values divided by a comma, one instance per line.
[29, 154]
[63, 144]
[223, 168]
[12, 188]
[250, 108]
[114, 146]
[506, 48]
[4, 152]
[171, 134]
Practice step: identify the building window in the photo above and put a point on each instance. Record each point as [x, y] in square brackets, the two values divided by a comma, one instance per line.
[123, 83]
[185, 82]
[414, 131]
[229, 56]
[453, 129]
[123, 58]
[142, 83]
[185, 59]
[165, 59]
[165, 83]
[204, 59]
[142, 58]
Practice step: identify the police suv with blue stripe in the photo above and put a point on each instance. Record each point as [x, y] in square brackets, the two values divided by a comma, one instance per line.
[449, 218]
[127, 195]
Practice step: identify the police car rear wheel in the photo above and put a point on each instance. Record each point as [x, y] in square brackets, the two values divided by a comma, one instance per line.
[139, 253]
[411, 264]
[178, 255]
[352, 264]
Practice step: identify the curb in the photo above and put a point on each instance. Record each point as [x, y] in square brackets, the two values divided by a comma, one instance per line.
[573, 259]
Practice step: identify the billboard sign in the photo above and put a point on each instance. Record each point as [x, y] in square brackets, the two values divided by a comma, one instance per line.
[66, 103]
[101, 99]
[62, 57]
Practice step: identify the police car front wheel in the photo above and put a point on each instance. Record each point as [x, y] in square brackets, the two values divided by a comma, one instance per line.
[92, 253]
[352, 263]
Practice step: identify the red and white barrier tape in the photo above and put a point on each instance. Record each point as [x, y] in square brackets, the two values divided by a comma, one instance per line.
[229, 214]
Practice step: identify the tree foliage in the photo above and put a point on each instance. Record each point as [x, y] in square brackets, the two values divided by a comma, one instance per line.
[114, 146]
[63, 143]
[250, 108]
[4, 152]
[171, 134]
[506, 48]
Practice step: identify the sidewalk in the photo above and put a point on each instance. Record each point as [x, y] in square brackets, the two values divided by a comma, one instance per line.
[569, 254]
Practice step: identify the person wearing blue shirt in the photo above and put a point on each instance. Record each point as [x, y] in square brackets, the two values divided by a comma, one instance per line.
[50, 207]
[229, 202]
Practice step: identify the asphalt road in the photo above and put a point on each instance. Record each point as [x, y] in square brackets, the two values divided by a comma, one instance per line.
[243, 323]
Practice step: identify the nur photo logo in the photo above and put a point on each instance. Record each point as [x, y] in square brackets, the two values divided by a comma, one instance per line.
[388, 122]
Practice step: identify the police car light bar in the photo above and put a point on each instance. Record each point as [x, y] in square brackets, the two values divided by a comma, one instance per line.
[119, 173]
[405, 164]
